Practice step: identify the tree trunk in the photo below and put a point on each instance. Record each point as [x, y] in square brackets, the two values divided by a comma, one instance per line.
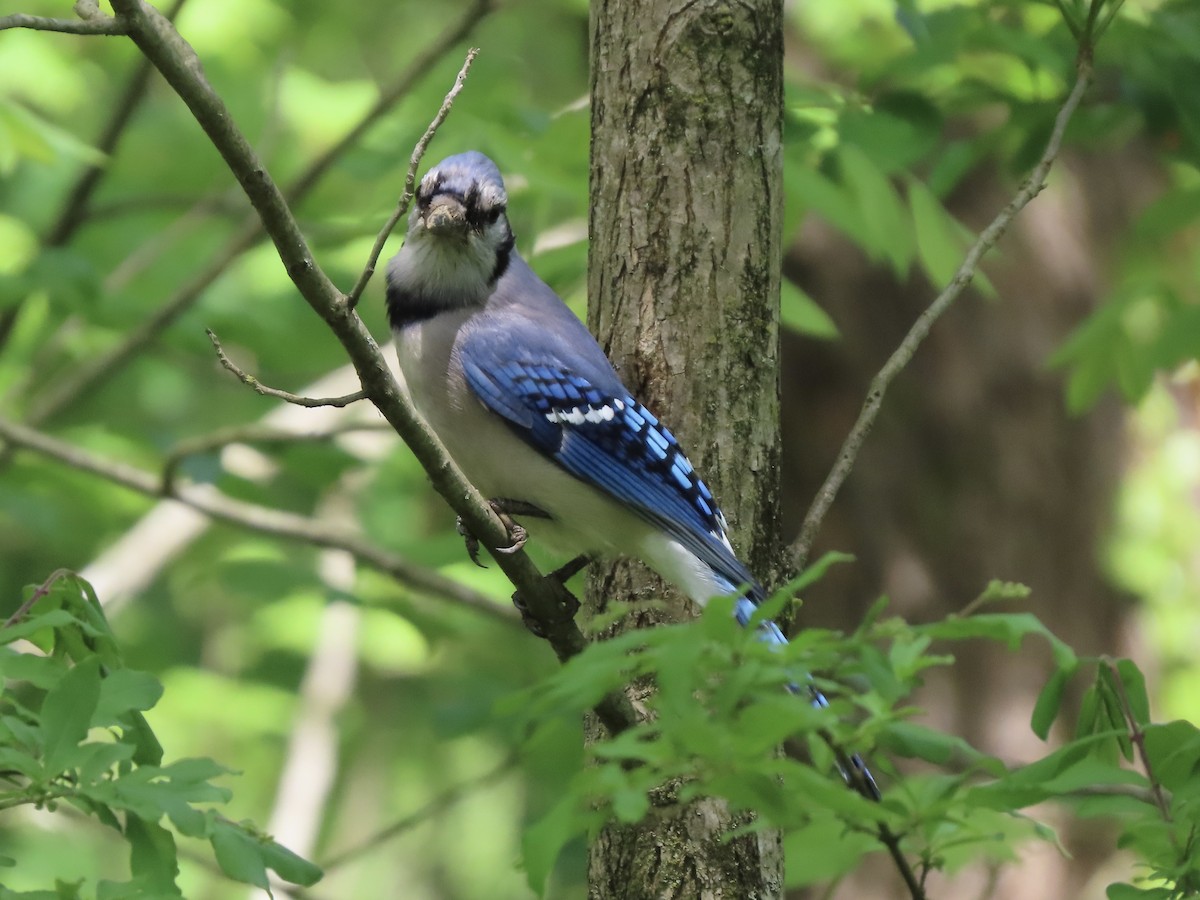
[686, 198]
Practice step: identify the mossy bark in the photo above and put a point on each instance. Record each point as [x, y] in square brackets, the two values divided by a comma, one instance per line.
[686, 202]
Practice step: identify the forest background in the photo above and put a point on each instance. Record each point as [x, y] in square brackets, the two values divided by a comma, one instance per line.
[362, 684]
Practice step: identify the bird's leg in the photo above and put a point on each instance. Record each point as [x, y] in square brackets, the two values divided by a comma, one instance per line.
[504, 508]
[562, 575]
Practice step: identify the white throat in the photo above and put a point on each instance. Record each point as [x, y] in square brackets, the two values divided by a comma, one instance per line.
[449, 269]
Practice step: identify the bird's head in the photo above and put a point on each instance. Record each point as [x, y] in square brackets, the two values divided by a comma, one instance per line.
[458, 242]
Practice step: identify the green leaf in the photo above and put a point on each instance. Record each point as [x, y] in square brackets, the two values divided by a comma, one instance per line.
[14, 760]
[288, 866]
[883, 214]
[67, 713]
[37, 629]
[1174, 752]
[899, 130]
[1063, 771]
[40, 671]
[1135, 690]
[238, 854]
[1088, 720]
[96, 760]
[1113, 710]
[1049, 701]
[914, 741]
[940, 248]
[152, 857]
[1129, 892]
[1007, 628]
[147, 749]
[800, 312]
[125, 691]
[823, 850]
[630, 805]
[543, 841]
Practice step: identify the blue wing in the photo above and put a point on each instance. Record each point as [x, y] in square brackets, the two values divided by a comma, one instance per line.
[597, 431]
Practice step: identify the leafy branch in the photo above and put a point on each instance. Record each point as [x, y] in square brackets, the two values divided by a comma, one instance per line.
[73, 682]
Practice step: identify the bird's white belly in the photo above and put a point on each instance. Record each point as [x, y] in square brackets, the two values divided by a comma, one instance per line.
[501, 465]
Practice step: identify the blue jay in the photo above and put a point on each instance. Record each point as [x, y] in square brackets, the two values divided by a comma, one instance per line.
[530, 408]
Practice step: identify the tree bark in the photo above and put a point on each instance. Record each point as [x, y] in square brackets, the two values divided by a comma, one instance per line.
[686, 201]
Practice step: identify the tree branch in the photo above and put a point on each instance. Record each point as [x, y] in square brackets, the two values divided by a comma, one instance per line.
[260, 388]
[966, 272]
[410, 180]
[260, 519]
[98, 25]
[434, 807]
[546, 598]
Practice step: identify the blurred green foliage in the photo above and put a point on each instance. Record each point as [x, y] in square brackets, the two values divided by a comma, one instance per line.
[72, 731]
[910, 99]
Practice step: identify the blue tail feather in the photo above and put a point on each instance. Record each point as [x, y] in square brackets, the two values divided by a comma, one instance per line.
[852, 767]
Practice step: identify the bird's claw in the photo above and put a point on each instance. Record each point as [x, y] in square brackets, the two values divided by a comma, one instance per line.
[527, 618]
[519, 536]
[504, 509]
[470, 540]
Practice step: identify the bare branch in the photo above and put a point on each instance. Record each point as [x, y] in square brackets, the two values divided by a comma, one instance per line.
[410, 180]
[920, 329]
[99, 25]
[260, 388]
[433, 808]
[260, 519]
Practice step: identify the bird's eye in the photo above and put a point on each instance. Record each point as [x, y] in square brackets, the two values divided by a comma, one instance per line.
[493, 214]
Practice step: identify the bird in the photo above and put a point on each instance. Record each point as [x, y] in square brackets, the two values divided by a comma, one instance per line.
[532, 411]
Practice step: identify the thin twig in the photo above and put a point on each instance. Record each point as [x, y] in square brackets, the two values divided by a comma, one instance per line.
[391, 95]
[916, 888]
[920, 329]
[1138, 737]
[259, 519]
[42, 590]
[260, 388]
[410, 180]
[434, 807]
[99, 25]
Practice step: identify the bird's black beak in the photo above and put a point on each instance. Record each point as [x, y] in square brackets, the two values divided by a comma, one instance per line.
[445, 215]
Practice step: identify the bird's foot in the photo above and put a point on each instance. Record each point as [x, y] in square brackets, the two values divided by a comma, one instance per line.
[505, 509]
